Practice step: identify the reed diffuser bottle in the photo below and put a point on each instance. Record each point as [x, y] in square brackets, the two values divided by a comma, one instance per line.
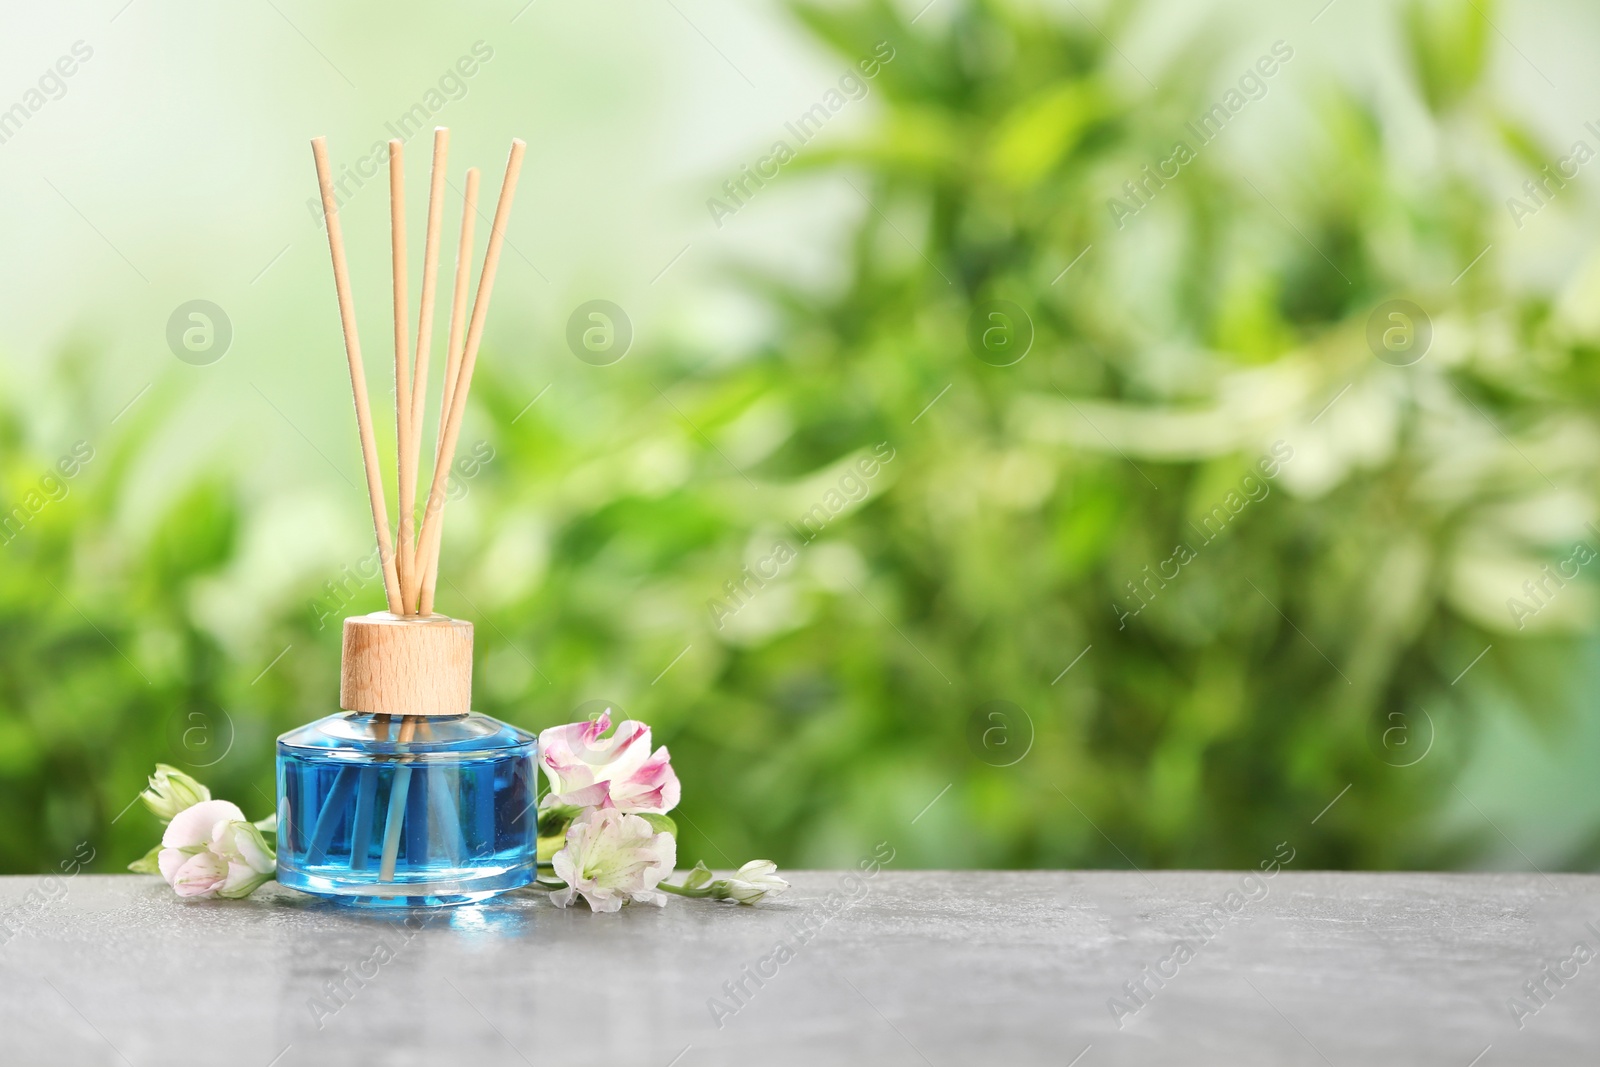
[406, 796]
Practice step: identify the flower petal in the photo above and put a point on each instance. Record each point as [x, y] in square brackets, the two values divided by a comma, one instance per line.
[653, 786]
[200, 876]
[603, 901]
[586, 767]
[251, 848]
[590, 796]
[194, 825]
[169, 860]
[242, 880]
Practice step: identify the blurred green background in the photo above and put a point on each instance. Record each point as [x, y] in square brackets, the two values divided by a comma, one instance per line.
[1066, 620]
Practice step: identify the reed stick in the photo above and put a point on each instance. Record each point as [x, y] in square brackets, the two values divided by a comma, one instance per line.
[429, 546]
[416, 823]
[455, 342]
[333, 809]
[358, 377]
[361, 820]
[444, 806]
[419, 369]
[458, 304]
[402, 371]
[366, 802]
[395, 819]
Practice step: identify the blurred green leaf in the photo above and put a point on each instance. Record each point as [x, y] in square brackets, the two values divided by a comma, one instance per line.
[1449, 45]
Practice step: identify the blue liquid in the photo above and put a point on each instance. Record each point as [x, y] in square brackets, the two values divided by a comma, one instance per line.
[446, 818]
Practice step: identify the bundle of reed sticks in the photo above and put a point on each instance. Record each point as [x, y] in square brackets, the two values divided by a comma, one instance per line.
[411, 558]
[381, 660]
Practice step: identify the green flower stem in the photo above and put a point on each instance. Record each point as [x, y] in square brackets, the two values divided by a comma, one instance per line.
[549, 887]
[680, 890]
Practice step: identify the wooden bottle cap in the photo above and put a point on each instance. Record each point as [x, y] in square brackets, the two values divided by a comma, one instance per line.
[406, 665]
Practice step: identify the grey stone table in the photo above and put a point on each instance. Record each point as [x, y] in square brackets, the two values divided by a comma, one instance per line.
[915, 968]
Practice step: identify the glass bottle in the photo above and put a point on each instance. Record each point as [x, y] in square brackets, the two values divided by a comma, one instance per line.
[407, 798]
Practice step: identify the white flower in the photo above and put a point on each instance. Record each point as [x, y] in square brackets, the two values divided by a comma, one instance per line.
[586, 768]
[171, 791]
[756, 879]
[612, 858]
[209, 850]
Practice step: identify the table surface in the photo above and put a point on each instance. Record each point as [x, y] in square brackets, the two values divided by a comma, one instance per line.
[1084, 968]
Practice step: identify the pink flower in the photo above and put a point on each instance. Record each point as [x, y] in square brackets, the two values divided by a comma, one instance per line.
[612, 858]
[587, 769]
[210, 850]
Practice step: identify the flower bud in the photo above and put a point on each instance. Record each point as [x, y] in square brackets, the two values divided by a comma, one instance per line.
[171, 791]
[752, 882]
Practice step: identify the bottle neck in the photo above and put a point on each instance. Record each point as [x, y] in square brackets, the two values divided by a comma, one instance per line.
[406, 665]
